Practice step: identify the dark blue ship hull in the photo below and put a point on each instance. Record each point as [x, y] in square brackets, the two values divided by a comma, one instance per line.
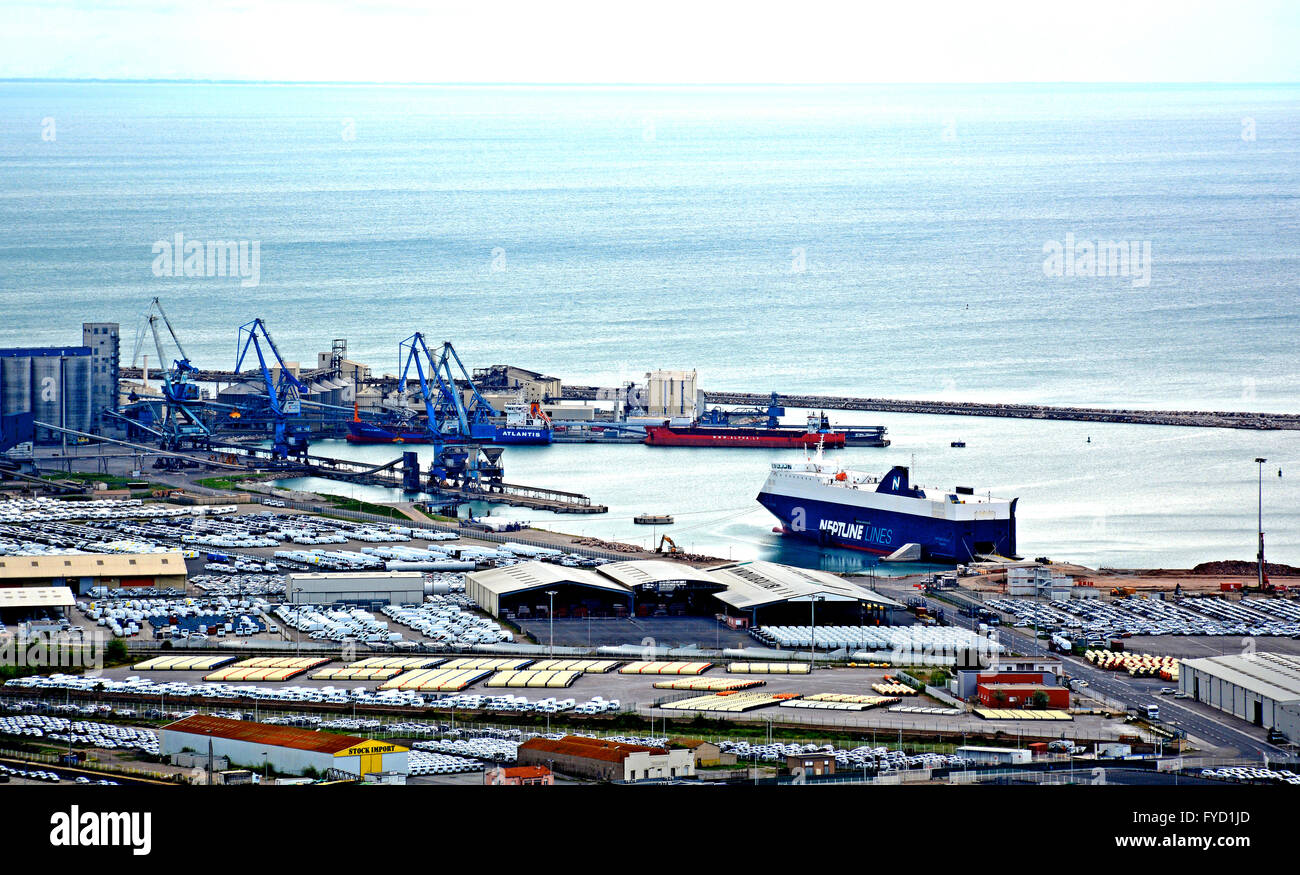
[882, 532]
[522, 434]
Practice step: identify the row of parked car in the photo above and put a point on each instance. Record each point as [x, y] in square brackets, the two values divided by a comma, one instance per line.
[1093, 620]
[423, 762]
[879, 760]
[1252, 775]
[22, 511]
[330, 695]
[107, 736]
[448, 619]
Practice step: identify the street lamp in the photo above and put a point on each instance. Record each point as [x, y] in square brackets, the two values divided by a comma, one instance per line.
[1260, 461]
[550, 617]
[812, 641]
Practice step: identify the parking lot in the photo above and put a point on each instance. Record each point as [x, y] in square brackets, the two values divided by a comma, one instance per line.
[664, 632]
[638, 692]
[1095, 620]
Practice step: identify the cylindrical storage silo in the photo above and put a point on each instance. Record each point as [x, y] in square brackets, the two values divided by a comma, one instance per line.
[77, 392]
[15, 384]
[47, 394]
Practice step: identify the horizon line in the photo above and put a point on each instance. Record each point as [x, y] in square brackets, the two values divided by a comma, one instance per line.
[600, 84]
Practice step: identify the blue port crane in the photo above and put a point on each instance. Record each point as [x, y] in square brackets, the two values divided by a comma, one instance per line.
[284, 394]
[474, 417]
[453, 425]
[182, 399]
[450, 417]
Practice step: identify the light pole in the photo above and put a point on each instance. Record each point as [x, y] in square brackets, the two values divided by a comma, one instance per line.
[812, 641]
[1260, 461]
[550, 618]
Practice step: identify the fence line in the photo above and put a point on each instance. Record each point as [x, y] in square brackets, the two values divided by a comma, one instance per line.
[477, 534]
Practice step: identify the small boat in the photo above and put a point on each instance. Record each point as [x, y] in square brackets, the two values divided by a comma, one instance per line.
[653, 519]
[958, 443]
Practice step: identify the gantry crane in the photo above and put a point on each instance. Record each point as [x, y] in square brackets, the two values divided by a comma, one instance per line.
[452, 424]
[284, 394]
[182, 399]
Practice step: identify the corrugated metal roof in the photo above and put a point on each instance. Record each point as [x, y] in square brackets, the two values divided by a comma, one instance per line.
[261, 733]
[51, 565]
[534, 575]
[525, 772]
[1274, 675]
[754, 584]
[747, 584]
[35, 597]
[588, 748]
[643, 571]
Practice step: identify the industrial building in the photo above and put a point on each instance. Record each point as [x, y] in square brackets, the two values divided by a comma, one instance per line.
[82, 571]
[104, 341]
[1260, 688]
[531, 588]
[18, 602]
[660, 585]
[508, 381]
[519, 776]
[285, 749]
[673, 395]
[601, 760]
[52, 383]
[759, 592]
[766, 593]
[1008, 670]
[996, 756]
[1031, 581]
[706, 753]
[1022, 694]
[366, 589]
[811, 764]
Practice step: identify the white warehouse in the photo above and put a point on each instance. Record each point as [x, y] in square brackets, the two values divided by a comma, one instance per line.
[367, 589]
[283, 748]
[1260, 688]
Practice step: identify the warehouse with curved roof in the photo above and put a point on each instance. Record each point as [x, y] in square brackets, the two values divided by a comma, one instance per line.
[765, 592]
[524, 591]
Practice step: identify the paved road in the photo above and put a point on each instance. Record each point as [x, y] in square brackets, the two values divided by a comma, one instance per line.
[1196, 719]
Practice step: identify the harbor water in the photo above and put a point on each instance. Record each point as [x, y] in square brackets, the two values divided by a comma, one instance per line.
[867, 241]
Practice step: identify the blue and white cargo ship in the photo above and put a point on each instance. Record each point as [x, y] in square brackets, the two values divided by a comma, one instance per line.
[525, 424]
[839, 508]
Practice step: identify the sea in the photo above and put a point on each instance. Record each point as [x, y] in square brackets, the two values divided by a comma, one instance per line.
[1134, 246]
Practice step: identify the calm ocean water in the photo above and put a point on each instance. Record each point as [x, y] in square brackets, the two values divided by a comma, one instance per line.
[864, 240]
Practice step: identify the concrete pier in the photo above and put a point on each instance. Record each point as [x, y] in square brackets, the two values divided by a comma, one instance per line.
[1196, 418]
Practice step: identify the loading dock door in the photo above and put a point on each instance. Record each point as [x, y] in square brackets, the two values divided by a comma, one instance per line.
[1258, 719]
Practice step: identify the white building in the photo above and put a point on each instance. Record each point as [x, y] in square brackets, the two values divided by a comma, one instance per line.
[285, 749]
[1260, 688]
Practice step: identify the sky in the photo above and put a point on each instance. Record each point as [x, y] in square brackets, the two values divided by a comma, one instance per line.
[666, 41]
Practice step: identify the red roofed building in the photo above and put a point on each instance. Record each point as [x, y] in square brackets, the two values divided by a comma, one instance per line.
[283, 748]
[519, 775]
[601, 760]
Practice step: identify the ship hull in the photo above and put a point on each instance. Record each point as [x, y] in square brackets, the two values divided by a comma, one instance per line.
[882, 531]
[522, 434]
[756, 438]
[373, 433]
